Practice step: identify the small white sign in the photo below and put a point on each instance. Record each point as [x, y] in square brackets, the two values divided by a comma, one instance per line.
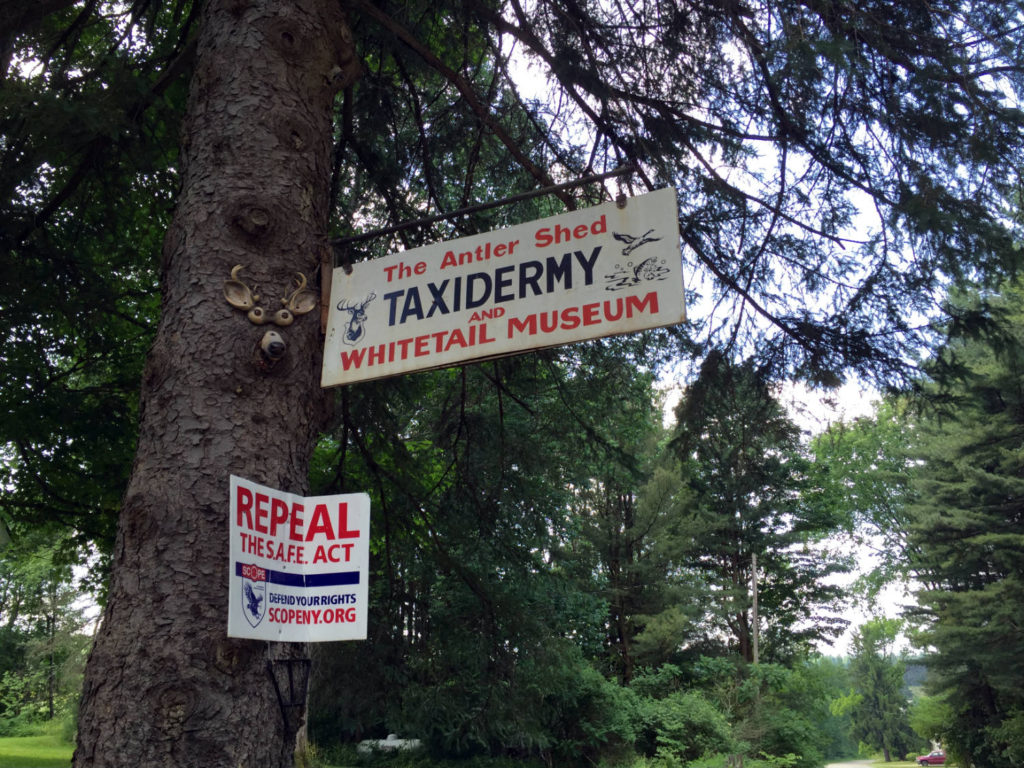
[299, 566]
[598, 272]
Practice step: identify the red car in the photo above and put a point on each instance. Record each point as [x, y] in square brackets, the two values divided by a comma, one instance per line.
[938, 757]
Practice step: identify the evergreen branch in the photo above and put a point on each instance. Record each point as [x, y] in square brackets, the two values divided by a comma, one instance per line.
[98, 149]
[528, 38]
[467, 93]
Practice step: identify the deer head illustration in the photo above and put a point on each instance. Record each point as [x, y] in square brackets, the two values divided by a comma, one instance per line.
[297, 301]
[354, 329]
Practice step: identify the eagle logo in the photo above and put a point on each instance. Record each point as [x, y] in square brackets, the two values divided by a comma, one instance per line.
[254, 594]
[633, 242]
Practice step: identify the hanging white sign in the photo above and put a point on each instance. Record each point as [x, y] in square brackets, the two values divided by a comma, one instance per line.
[582, 275]
[299, 566]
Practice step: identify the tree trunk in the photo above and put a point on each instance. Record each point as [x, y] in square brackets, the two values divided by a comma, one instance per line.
[164, 685]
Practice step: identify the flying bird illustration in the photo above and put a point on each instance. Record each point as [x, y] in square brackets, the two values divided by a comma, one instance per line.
[632, 243]
[252, 601]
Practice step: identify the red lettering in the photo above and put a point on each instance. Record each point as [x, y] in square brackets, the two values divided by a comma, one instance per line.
[321, 523]
[339, 615]
[456, 339]
[243, 501]
[613, 315]
[528, 326]
[404, 270]
[650, 302]
[352, 358]
[261, 512]
[343, 530]
[254, 573]
[295, 528]
[570, 318]
[545, 236]
[278, 514]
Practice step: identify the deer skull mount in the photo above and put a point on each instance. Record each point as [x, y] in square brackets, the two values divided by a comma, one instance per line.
[295, 302]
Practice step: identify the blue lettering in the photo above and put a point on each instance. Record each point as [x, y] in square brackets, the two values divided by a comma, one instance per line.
[475, 301]
[588, 264]
[559, 270]
[529, 275]
[412, 305]
[479, 288]
[501, 282]
[392, 299]
[437, 294]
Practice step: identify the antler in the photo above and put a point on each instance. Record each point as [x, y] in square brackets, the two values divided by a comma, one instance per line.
[298, 302]
[239, 296]
[237, 293]
[301, 300]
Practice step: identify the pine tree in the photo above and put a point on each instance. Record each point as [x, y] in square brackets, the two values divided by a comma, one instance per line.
[255, 171]
[879, 707]
[748, 476]
[968, 529]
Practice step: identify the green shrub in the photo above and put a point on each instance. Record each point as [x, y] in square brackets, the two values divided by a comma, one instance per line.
[595, 720]
[683, 726]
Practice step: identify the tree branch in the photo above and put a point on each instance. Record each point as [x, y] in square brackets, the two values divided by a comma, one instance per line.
[467, 92]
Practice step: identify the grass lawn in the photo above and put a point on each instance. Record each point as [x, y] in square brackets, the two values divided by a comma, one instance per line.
[48, 751]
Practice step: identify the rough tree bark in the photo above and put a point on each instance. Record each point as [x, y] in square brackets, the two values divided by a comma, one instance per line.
[164, 685]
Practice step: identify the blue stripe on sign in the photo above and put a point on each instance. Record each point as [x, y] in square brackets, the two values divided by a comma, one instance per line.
[339, 579]
[286, 579]
[342, 578]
